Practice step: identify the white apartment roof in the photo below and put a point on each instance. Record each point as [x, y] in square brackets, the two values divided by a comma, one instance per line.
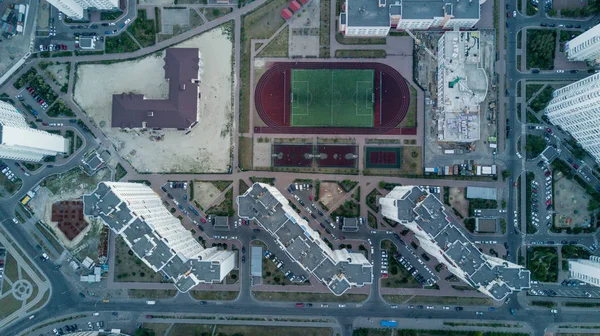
[34, 139]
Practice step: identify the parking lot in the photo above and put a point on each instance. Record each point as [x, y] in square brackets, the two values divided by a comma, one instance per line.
[290, 269]
[407, 257]
[569, 288]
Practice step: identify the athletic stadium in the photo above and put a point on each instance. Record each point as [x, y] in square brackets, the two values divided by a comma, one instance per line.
[332, 98]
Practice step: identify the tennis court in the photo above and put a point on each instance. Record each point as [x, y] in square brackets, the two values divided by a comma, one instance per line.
[332, 97]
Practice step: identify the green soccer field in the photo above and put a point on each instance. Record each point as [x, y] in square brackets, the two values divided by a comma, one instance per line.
[332, 97]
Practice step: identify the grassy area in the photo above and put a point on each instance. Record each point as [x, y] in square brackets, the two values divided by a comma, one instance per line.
[11, 268]
[157, 328]
[129, 268]
[530, 228]
[534, 145]
[372, 200]
[25, 78]
[542, 99]
[152, 293]
[245, 152]
[120, 172]
[372, 220]
[340, 38]
[43, 89]
[40, 303]
[307, 297]
[410, 332]
[53, 241]
[411, 116]
[143, 30]
[238, 330]
[540, 49]
[566, 35]
[9, 305]
[278, 47]
[31, 166]
[224, 208]
[221, 185]
[261, 23]
[120, 44]
[396, 298]
[8, 186]
[575, 252]
[531, 89]
[60, 109]
[110, 16]
[266, 180]
[357, 53]
[347, 209]
[542, 261]
[214, 13]
[582, 304]
[452, 300]
[324, 29]
[478, 203]
[547, 304]
[214, 295]
[243, 187]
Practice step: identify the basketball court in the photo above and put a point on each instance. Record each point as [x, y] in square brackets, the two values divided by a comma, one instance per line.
[332, 97]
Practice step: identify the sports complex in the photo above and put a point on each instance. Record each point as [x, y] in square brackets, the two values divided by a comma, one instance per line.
[332, 98]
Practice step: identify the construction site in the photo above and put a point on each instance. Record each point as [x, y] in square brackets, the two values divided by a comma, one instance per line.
[456, 69]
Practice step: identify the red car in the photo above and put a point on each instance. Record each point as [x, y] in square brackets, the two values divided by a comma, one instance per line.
[548, 202]
[548, 130]
[202, 220]
[300, 305]
[547, 173]
[575, 166]
[63, 46]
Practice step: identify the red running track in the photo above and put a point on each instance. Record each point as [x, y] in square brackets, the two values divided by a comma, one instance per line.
[272, 100]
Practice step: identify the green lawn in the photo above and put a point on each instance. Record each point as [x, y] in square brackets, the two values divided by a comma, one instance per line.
[332, 98]
[143, 30]
[542, 261]
[120, 44]
[540, 49]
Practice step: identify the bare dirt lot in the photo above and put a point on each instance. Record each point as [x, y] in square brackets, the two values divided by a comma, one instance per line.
[570, 203]
[458, 201]
[330, 193]
[205, 193]
[207, 148]
[262, 153]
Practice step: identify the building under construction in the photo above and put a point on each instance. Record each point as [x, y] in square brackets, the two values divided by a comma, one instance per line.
[462, 87]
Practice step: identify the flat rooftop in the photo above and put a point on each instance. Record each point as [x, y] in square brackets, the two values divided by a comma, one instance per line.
[180, 110]
[339, 269]
[367, 13]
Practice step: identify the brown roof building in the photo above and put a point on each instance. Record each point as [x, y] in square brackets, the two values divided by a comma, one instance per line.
[178, 111]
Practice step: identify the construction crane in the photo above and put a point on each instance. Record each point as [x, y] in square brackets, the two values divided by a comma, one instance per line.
[421, 44]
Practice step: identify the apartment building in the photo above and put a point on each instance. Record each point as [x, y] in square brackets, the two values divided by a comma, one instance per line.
[585, 47]
[75, 8]
[375, 18]
[339, 270]
[136, 213]
[443, 237]
[576, 108]
[584, 270]
[20, 142]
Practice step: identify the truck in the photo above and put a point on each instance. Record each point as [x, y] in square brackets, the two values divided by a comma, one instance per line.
[478, 170]
[431, 170]
[389, 323]
[150, 302]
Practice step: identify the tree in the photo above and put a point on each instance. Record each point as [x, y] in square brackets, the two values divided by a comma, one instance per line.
[144, 332]
[505, 174]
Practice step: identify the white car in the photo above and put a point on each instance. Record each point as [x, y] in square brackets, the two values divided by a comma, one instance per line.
[519, 155]
[560, 71]
[446, 308]
[111, 24]
[16, 221]
[127, 21]
[41, 47]
[342, 306]
[514, 13]
[60, 15]
[554, 311]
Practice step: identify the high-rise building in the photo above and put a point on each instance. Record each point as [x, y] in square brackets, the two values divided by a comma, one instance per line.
[587, 271]
[339, 270]
[18, 141]
[75, 8]
[443, 237]
[375, 18]
[585, 47]
[576, 108]
[136, 213]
